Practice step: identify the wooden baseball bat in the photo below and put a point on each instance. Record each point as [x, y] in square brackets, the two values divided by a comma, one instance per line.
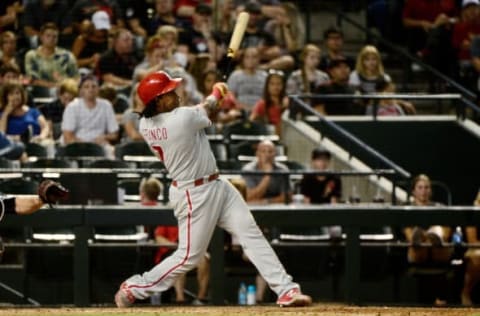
[236, 39]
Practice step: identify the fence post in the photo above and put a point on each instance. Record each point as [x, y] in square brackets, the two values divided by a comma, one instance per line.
[81, 267]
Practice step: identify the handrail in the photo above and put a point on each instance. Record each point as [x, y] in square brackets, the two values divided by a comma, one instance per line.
[405, 53]
[378, 172]
[354, 140]
[405, 96]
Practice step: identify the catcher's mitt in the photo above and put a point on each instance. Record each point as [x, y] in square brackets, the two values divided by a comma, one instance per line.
[51, 192]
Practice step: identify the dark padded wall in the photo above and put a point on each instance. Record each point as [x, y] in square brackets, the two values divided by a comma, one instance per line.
[443, 150]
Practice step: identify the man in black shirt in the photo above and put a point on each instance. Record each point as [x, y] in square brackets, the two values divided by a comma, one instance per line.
[321, 189]
[339, 72]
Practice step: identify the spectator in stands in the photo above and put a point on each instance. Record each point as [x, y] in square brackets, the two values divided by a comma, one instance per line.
[390, 107]
[131, 118]
[339, 72]
[11, 150]
[185, 9]
[89, 118]
[195, 39]
[434, 235]
[119, 101]
[8, 47]
[472, 261]
[265, 189]
[39, 12]
[187, 90]
[270, 53]
[463, 33]
[308, 77]
[53, 111]
[321, 189]
[92, 41]
[84, 9]
[150, 189]
[11, 74]
[136, 14]
[158, 55]
[247, 82]
[164, 15]
[475, 53]
[18, 120]
[269, 109]
[225, 18]
[333, 41]
[9, 14]
[368, 70]
[287, 28]
[116, 66]
[49, 64]
[420, 17]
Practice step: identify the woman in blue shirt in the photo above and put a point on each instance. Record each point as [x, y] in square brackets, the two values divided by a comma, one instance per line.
[18, 119]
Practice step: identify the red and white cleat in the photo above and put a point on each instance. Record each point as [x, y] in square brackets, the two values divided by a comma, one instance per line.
[124, 297]
[294, 297]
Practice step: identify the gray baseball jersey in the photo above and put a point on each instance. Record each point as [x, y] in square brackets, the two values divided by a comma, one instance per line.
[177, 137]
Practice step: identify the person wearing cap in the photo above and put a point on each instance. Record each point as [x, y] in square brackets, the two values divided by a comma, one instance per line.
[48, 64]
[201, 199]
[321, 189]
[84, 9]
[93, 41]
[39, 12]
[339, 72]
[89, 118]
[271, 55]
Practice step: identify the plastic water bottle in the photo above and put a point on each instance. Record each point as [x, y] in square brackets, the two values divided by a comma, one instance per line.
[242, 294]
[156, 299]
[251, 295]
[457, 237]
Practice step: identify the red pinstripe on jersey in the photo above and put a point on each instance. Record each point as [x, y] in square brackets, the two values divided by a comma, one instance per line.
[189, 220]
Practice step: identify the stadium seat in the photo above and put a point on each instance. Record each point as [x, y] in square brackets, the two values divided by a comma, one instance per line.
[157, 165]
[19, 186]
[83, 150]
[36, 150]
[49, 163]
[138, 148]
[244, 128]
[6, 163]
[229, 164]
[108, 163]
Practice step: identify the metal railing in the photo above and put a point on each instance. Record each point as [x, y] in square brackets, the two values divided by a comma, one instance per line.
[349, 141]
[460, 102]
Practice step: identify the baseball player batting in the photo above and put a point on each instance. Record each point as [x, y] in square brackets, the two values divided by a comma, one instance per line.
[201, 200]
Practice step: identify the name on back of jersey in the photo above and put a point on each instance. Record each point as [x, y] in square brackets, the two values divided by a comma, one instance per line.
[155, 134]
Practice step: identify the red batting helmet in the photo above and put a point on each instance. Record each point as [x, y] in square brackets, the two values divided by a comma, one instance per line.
[156, 84]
